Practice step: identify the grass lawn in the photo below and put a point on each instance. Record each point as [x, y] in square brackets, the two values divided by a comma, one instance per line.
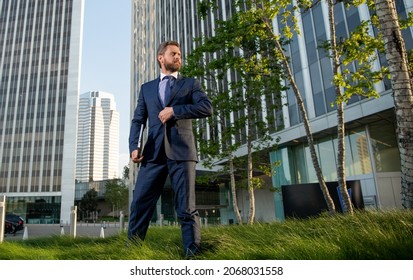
[367, 235]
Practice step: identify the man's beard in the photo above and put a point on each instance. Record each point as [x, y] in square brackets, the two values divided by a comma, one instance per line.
[172, 67]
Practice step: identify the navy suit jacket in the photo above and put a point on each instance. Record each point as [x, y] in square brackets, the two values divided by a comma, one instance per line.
[188, 101]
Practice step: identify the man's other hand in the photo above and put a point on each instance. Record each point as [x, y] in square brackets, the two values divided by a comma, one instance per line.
[135, 158]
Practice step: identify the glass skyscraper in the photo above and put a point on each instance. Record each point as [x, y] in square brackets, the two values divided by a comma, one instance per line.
[40, 50]
[98, 137]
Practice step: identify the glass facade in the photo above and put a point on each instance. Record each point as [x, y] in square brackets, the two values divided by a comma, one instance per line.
[301, 168]
[36, 209]
[384, 145]
[369, 148]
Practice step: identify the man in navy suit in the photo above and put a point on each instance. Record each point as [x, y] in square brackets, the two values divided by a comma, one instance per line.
[169, 107]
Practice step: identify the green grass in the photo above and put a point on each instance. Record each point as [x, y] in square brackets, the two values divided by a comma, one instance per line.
[365, 235]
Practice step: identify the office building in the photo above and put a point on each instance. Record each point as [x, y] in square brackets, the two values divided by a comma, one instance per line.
[98, 137]
[371, 146]
[40, 50]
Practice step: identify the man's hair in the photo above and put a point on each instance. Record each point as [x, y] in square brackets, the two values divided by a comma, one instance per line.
[163, 46]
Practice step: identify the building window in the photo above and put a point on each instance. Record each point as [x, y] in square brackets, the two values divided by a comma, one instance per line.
[384, 144]
[357, 153]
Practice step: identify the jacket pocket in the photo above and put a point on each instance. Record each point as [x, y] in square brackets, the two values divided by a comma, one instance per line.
[185, 131]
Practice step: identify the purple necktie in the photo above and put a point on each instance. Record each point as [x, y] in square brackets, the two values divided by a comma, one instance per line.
[168, 88]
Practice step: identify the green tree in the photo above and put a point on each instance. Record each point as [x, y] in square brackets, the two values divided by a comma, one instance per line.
[116, 193]
[238, 49]
[125, 173]
[264, 12]
[89, 203]
[358, 48]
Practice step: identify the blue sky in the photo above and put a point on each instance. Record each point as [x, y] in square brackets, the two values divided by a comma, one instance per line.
[106, 58]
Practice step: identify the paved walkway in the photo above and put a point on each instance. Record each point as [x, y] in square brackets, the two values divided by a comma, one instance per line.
[83, 230]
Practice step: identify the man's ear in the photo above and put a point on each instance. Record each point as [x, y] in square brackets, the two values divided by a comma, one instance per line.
[160, 59]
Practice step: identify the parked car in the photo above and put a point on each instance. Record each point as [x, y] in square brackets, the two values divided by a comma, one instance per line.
[10, 227]
[14, 223]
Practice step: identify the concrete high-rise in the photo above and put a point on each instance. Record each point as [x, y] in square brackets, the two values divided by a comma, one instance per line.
[40, 51]
[98, 137]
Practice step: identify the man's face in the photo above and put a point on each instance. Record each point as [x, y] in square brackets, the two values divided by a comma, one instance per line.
[171, 59]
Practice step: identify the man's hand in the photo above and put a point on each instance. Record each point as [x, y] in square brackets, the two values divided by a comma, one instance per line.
[135, 158]
[166, 114]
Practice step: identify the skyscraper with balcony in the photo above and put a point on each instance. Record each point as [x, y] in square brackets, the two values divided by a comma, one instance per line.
[40, 50]
[371, 148]
[98, 137]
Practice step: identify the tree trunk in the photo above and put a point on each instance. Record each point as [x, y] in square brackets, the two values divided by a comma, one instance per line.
[300, 103]
[402, 92]
[329, 201]
[251, 187]
[341, 171]
[233, 188]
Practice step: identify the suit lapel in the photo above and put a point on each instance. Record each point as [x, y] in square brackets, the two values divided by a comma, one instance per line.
[154, 93]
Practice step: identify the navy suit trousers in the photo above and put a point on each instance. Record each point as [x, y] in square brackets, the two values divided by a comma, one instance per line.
[148, 188]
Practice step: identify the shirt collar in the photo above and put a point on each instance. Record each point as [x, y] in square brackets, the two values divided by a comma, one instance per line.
[174, 74]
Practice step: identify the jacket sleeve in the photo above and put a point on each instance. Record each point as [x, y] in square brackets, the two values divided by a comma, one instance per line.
[200, 107]
[139, 117]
